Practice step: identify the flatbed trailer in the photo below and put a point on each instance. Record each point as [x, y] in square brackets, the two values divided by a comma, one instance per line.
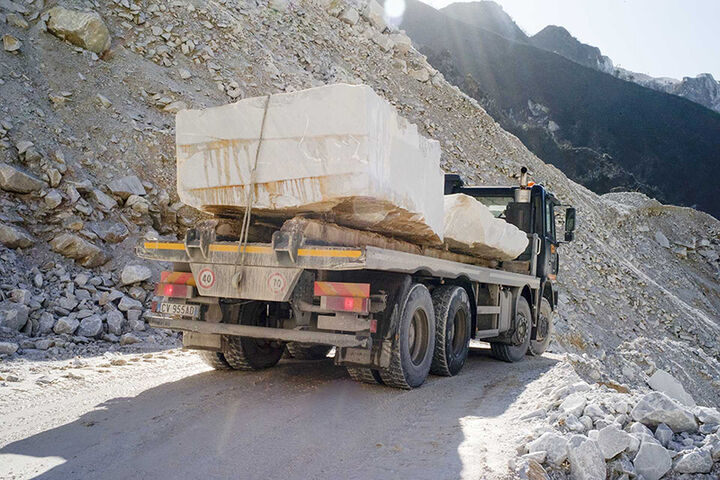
[392, 316]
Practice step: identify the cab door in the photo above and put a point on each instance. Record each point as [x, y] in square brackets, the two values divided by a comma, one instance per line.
[544, 226]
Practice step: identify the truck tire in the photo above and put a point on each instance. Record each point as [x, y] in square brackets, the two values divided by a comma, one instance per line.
[414, 343]
[245, 353]
[214, 359]
[521, 335]
[452, 330]
[544, 329]
[365, 375]
[300, 351]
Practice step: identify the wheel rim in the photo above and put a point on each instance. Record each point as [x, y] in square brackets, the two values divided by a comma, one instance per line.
[543, 327]
[418, 336]
[521, 329]
[458, 332]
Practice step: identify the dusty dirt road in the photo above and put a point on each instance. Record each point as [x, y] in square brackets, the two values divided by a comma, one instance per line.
[166, 416]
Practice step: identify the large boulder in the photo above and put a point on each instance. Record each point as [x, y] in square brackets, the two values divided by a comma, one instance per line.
[375, 14]
[8, 348]
[75, 247]
[13, 237]
[574, 404]
[655, 408]
[91, 326]
[662, 381]
[707, 415]
[66, 325]
[111, 232]
[652, 461]
[586, 459]
[15, 179]
[13, 315]
[126, 186]
[555, 446]
[612, 440]
[115, 321]
[84, 29]
[695, 461]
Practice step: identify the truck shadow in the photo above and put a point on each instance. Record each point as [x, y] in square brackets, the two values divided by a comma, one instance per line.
[300, 420]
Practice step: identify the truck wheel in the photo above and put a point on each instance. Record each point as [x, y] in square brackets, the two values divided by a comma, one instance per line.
[307, 352]
[245, 353]
[520, 338]
[544, 329]
[214, 359]
[412, 350]
[452, 330]
[365, 375]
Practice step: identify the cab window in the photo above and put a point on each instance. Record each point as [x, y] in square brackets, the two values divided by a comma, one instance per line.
[550, 220]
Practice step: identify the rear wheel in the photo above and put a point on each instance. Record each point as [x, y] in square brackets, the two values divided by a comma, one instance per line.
[452, 330]
[521, 336]
[245, 353]
[214, 359]
[301, 351]
[543, 330]
[412, 350]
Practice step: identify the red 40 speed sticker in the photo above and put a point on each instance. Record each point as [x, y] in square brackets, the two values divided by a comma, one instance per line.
[206, 278]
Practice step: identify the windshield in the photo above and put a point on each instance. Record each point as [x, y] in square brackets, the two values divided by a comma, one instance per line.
[497, 205]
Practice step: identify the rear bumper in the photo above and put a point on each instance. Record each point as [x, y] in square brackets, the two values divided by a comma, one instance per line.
[303, 336]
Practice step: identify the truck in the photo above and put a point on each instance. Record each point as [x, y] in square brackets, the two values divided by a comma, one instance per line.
[391, 315]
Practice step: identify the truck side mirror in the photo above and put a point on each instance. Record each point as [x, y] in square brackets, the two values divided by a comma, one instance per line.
[570, 224]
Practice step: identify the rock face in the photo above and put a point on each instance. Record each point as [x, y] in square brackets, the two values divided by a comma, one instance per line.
[73, 246]
[14, 179]
[652, 461]
[84, 29]
[662, 381]
[656, 407]
[13, 237]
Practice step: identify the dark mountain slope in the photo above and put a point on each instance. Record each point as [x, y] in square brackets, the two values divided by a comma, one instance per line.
[603, 132]
[559, 40]
[487, 15]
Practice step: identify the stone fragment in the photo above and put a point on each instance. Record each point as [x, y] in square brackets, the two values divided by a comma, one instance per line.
[655, 408]
[44, 343]
[103, 101]
[125, 186]
[138, 204]
[111, 232]
[105, 201]
[77, 248]
[46, 323]
[135, 274]
[553, 444]
[8, 348]
[420, 74]
[10, 43]
[695, 461]
[115, 322]
[53, 199]
[652, 461]
[184, 73]
[14, 237]
[129, 338]
[350, 16]
[586, 459]
[175, 107]
[574, 404]
[663, 434]
[661, 239]
[612, 441]
[383, 41]
[375, 14]
[279, 5]
[127, 303]
[90, 326]
[402, 42]
[12, 6]
[84, 29]
[707, 415]
[14, 179]
[662, 381]
[13, 316]
[66, 325]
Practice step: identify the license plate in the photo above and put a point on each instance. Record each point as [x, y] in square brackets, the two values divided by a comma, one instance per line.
[182, 309]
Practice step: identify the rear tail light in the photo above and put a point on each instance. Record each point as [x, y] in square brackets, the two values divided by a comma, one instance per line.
[343, 297]
[184, 278]
[174, 290]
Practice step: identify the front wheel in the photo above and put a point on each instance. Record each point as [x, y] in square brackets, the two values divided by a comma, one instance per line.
[516, 351]
[412, 350]
[245, 353]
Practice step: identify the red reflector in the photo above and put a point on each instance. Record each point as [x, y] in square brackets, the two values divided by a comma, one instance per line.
[373, 325]
[345, 304]
[340, 289]
[172, 290]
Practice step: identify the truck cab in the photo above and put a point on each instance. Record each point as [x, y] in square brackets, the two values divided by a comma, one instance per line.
[531, 208]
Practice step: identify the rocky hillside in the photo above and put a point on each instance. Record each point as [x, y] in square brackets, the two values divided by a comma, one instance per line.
[602, 132]
[558, 40]
[87, 169]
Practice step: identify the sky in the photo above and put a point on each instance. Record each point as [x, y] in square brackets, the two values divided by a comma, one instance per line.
[662, 38]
